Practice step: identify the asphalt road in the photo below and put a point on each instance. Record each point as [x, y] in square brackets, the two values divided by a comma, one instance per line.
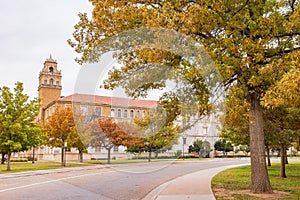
[117, 182]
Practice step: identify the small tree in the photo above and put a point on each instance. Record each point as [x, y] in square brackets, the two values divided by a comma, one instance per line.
[160, 140]
[82, 139]
[202, 148]
[60, 129]
[156, 133]
[283, 98]
[106, 133]
[18, 131]
[245, 149]
[224, 146]
[282, 125]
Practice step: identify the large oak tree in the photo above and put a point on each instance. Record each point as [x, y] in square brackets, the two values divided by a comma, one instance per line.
[253, 43]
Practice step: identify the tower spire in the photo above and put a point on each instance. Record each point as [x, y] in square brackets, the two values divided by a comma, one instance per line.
[49, 84]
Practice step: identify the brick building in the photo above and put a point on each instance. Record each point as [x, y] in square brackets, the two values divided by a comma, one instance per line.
[95, 106]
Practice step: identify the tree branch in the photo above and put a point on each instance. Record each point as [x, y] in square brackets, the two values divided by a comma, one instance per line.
[280, 52]
[287, 34]
[241, 8]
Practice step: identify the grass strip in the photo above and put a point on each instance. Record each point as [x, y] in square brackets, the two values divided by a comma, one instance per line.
[229, 183]
[29, 166]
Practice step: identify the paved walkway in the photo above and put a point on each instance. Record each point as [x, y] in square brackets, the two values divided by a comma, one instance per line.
[194, 186]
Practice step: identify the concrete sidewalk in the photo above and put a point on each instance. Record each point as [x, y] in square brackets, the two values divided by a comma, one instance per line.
[194, 186]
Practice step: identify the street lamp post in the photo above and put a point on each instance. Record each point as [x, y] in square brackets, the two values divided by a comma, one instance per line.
[65, 153]
[148, 146]
[33, 151]
[183, 143]
[183, 138]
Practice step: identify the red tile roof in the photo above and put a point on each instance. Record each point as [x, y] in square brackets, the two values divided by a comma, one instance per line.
[114, 101]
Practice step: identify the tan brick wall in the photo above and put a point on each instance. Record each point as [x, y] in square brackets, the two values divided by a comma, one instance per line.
[48, 95]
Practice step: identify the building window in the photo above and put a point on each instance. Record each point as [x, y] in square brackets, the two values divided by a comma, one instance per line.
[57, 83]
[116, 149]
[98, 148]
[51, 70]
[51, 81]
[143, 113]
[119, 113]
[112, 112]
[98, 112]
[83, 109]
[125, 113]
[131, 114]
[137, 113]
[45, 82]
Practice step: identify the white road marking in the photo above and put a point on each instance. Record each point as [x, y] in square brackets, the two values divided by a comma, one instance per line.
[51, 181]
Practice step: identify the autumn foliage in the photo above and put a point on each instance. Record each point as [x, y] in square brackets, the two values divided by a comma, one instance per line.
[254, 44]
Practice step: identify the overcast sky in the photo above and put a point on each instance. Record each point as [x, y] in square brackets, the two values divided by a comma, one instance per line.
[31, 30]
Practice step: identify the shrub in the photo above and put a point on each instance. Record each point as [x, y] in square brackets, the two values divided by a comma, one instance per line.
[19, 160]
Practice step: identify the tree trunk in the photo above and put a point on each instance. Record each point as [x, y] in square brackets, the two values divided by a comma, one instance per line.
[2, 158]
[108, 155]
[8, 160]
[260, 182]
[81, 156]
[149, 157]
[62, 156]
[282, 161]
[156, 154]
[224, 154]
[268, 155]
[33, 152]
[286, 158]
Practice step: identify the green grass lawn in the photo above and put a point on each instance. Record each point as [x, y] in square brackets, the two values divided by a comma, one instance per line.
[28, 166]
[239, 179]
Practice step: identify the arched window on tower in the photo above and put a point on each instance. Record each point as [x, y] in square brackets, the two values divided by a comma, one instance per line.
[119, 113]
[51, 70]
[112, 112]
[57, 83]
[98, 111]
[51, 81]
[131, 114]
[45, 82]
[125, 113]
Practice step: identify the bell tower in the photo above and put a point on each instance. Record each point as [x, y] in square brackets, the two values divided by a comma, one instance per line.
[49, 83]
